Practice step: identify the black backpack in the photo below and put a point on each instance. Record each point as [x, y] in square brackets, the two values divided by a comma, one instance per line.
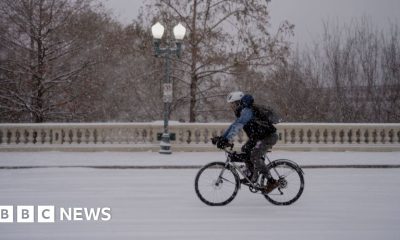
[266, 116]
[262, 123]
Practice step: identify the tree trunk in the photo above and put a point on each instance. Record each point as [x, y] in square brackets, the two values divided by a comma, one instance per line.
[194, 77]
[33, 98]
[193, 100]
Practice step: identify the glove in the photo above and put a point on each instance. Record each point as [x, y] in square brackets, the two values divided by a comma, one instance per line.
[222, 143]
[214, 140]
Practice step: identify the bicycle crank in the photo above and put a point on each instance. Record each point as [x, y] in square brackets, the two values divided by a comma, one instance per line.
[254, 188]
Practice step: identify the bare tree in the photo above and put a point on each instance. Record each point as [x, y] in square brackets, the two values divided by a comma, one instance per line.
[125, 81]
[369, 48]
[222, 35]
[391, 74]
[351, 75]
[41, 65]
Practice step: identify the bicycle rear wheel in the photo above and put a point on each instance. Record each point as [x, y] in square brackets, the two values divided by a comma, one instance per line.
[291, 183]
[216, 185]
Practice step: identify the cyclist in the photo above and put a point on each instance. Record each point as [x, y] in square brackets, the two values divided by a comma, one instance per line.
[261, 136]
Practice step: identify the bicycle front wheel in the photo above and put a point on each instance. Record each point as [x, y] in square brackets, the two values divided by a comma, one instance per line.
[291, 183]
[216, 185]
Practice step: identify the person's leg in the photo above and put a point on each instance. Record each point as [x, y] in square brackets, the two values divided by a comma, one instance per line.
[246, 153]
[271, 140]
[248, 147]
[256, 158]
[259, 150]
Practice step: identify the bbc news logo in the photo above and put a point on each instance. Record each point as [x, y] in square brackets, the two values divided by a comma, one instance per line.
[48, 214]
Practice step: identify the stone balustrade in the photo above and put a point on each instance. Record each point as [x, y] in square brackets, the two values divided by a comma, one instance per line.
[192, 137]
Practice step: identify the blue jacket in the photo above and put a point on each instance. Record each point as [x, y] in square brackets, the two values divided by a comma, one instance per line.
[246, 115]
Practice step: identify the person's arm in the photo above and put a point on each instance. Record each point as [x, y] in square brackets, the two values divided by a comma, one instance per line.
[235, 127]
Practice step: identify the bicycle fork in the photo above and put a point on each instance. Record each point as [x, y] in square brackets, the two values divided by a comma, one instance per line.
[220, 178]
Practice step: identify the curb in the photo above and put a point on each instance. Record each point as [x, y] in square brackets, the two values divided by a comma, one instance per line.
[192, 167]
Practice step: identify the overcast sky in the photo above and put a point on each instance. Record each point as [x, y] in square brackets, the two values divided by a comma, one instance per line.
[307, 15]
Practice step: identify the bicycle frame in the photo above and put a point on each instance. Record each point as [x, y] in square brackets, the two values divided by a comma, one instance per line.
[270, 164]
[231, 164]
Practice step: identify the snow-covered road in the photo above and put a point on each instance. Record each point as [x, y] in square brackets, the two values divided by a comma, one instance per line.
[21, 159]
[161, 204]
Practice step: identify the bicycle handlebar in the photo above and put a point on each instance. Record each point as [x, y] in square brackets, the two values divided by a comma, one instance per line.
[229, 145]
[229, 148]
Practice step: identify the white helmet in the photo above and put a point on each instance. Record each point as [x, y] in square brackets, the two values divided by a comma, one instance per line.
[234, 96]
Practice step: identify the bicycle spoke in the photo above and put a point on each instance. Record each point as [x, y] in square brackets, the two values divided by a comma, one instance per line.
[286, 174]
[227, 180]
[214, 188]
[291, 184]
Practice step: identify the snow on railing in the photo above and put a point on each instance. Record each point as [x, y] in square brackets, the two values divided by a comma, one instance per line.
[104, 136]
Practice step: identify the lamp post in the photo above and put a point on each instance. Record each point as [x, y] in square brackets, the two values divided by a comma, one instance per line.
[157, 31]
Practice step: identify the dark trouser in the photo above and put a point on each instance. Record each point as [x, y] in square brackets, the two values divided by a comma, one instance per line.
[255, 150]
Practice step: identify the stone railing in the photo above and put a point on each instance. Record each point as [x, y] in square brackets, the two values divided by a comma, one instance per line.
[192, 137]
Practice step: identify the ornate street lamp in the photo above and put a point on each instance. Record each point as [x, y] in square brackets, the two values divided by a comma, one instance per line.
[157, 31]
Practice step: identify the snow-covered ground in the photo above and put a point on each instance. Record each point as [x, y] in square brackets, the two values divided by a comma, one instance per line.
[10, 159]
[162, 204]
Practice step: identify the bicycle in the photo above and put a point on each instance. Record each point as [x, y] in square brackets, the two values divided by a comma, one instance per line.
[217, 183]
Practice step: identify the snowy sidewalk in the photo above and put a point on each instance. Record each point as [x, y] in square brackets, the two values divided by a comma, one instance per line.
[152, 204]
[186, 159]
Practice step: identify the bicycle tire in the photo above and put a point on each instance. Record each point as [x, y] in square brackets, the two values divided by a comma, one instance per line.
[299, 174]
[219, 166]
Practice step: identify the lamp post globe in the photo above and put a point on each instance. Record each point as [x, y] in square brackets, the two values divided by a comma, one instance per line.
[157, 30]
[179, 32]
